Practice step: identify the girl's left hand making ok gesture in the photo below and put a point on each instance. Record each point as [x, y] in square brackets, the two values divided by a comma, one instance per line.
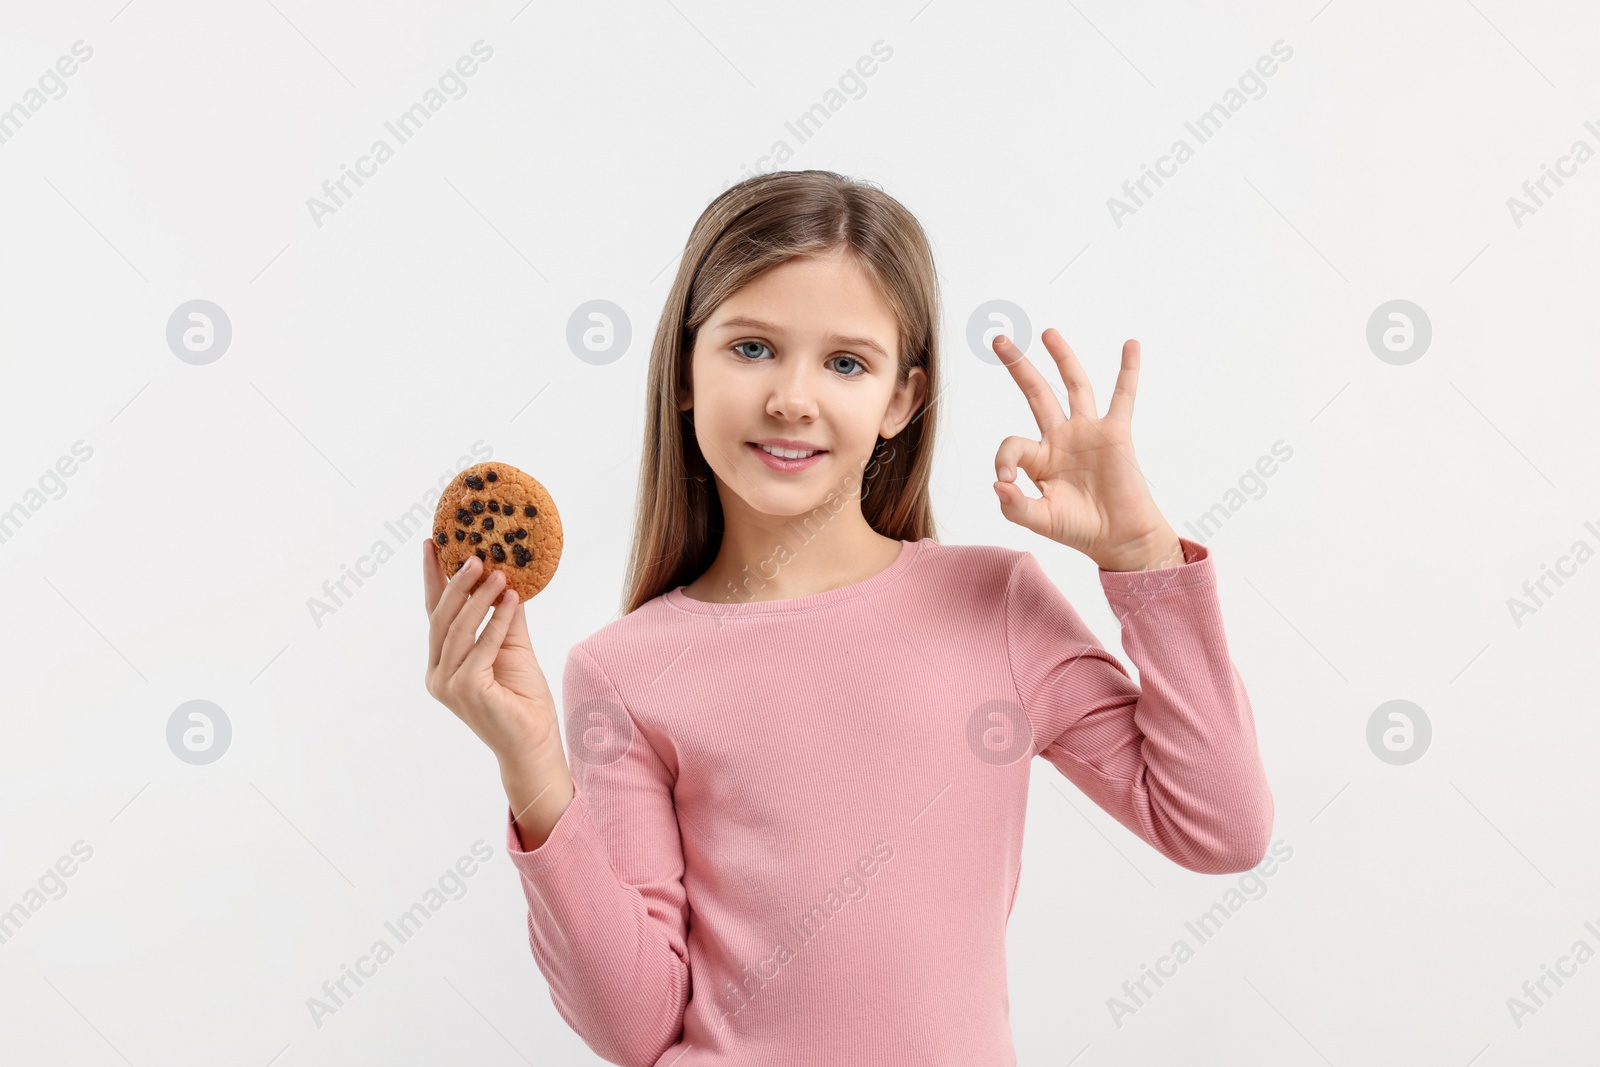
[1094, 496]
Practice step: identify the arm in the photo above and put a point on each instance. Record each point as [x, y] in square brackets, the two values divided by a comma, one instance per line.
[1174, 757]
[540, 790]
[607, 911]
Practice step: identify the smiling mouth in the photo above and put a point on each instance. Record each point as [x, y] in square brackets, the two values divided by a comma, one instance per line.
[796, 462]
[787, 453]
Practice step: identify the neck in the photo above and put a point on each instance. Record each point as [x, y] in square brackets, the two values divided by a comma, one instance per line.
[772, 557]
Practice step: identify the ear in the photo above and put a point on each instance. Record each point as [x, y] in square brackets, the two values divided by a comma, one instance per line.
[907, 401]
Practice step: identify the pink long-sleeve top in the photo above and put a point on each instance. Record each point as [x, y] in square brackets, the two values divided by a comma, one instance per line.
[796, 828]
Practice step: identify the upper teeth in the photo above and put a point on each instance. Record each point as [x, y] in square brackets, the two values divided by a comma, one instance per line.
[788, 453]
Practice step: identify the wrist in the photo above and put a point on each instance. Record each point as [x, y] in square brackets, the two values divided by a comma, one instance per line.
[536, 762]
[1155, 551]
[539, 790]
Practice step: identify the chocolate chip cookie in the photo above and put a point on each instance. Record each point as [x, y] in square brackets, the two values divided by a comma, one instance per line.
[505, 518]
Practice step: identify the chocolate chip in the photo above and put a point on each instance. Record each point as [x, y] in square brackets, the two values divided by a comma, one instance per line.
[474, 482]
[440, 537]
[523, 561]
[463, 563]
[461, 535]
[498, 553]
[510, 538]
[530, 511]
[463, 516]
[492, 476]
[488, 522]
[477, 507]
[480, 555]
[494, 505]
[475, 536]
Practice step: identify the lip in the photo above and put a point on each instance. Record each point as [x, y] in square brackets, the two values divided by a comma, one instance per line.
[789, 443]
[785, 465]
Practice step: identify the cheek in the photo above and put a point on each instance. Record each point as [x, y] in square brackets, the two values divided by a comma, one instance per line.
[728, 401]
[713, 411]
[719, 418]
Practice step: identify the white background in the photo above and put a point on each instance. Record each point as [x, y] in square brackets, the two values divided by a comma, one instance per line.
[372, 351]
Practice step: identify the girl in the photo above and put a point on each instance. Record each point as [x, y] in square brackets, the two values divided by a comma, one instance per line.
[791, 825]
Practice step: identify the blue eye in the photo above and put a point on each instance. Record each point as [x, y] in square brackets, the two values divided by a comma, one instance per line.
[743, 346]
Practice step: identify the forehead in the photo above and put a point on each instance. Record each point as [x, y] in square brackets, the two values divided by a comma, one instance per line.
[822, 298]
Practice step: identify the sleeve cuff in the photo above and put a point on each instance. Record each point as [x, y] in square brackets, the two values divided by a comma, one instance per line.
[1196, 570]
[562, 835]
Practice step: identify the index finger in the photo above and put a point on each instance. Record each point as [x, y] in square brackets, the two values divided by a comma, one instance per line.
[434, 582]
[447, 604]
[1046, 409]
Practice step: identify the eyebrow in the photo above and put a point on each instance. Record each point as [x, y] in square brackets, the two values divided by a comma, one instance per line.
[832, 338]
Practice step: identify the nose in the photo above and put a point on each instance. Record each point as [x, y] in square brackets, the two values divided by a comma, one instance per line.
[794, 392]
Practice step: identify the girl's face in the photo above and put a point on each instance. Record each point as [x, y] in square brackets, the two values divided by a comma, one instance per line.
[805, 356]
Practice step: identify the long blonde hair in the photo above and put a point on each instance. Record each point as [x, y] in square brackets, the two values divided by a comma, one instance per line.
[751, 227]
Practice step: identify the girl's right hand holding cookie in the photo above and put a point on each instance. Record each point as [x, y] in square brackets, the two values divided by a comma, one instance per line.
[493, 683]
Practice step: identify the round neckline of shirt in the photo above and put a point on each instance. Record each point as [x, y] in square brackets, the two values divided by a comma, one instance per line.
[908, 553]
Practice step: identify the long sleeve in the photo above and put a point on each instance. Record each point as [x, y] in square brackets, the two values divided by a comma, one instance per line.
[607, 911]
[1173, 757]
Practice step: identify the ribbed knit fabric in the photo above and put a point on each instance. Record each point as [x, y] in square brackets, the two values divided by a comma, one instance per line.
[796, 829]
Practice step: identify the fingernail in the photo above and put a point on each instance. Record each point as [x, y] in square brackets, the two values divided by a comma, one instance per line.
[999, 338]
